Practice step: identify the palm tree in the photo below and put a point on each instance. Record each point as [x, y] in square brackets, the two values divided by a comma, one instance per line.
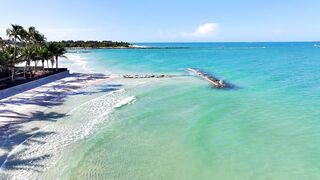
[16, 32]
[52, 47]
[36, 39]
[35, 36]
[26, 53]
[50, 57]
[6, 57]
[26, 46]
[57, 51]
[27, 50]
[31, 34]
[3, 60]
[44, 55]
[35, 56]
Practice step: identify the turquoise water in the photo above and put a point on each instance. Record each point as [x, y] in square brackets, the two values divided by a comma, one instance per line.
[181, 128]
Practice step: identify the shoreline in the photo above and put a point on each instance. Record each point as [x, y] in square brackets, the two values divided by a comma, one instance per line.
[37, 125]
[27, 115]
[18, 112]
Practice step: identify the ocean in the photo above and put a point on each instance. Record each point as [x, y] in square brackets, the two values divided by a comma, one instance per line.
[265, 127]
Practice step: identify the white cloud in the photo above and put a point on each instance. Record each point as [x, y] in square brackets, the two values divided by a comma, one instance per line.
[206, 29]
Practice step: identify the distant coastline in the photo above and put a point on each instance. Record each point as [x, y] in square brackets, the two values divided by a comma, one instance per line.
[80, 44]
[93, 44]
[131, 46]
[115, 47]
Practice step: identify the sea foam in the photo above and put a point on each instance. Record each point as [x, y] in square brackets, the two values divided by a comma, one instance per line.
[41, 151]
[80, 64]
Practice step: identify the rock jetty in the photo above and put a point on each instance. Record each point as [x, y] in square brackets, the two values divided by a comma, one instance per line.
[214, 81]
[146, 76]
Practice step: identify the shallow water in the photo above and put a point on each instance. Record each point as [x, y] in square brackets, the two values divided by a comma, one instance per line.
[182, 128]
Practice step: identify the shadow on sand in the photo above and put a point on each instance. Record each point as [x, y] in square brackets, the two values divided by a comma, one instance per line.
[13, 133]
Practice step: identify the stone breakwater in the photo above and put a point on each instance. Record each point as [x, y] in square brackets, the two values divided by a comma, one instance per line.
[147, 76]
[214, 81]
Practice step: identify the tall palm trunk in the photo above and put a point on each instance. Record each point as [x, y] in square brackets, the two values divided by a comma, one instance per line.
[14, 60]
[57, 63]
[24, 70]
[47, 64]
[35, 66]
[52, 62]
[29, 67]
[42, 61]
[28, 59]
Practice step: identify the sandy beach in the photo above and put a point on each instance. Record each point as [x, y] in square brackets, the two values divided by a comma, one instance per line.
[18, 112]
[32, 134]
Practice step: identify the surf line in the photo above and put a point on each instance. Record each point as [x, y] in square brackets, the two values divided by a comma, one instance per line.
[47, 126]
[214, 81]
[125, 101]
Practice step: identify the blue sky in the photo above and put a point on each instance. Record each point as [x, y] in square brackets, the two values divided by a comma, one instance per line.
[167, 20]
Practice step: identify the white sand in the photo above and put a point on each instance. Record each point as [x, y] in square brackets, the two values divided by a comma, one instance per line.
[30, 145]
[16, 111]
[25, 104]
[25, 151]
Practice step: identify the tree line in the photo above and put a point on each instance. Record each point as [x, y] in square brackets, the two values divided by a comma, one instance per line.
[26, 46]
[93, 44]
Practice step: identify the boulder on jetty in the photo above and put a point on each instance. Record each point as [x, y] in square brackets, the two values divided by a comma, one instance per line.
[214, 81]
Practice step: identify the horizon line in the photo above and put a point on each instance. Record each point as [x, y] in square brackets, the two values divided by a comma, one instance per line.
[227, 41]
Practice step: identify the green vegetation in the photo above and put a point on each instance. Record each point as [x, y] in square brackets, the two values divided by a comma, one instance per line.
[93, 44]
[26, 46]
